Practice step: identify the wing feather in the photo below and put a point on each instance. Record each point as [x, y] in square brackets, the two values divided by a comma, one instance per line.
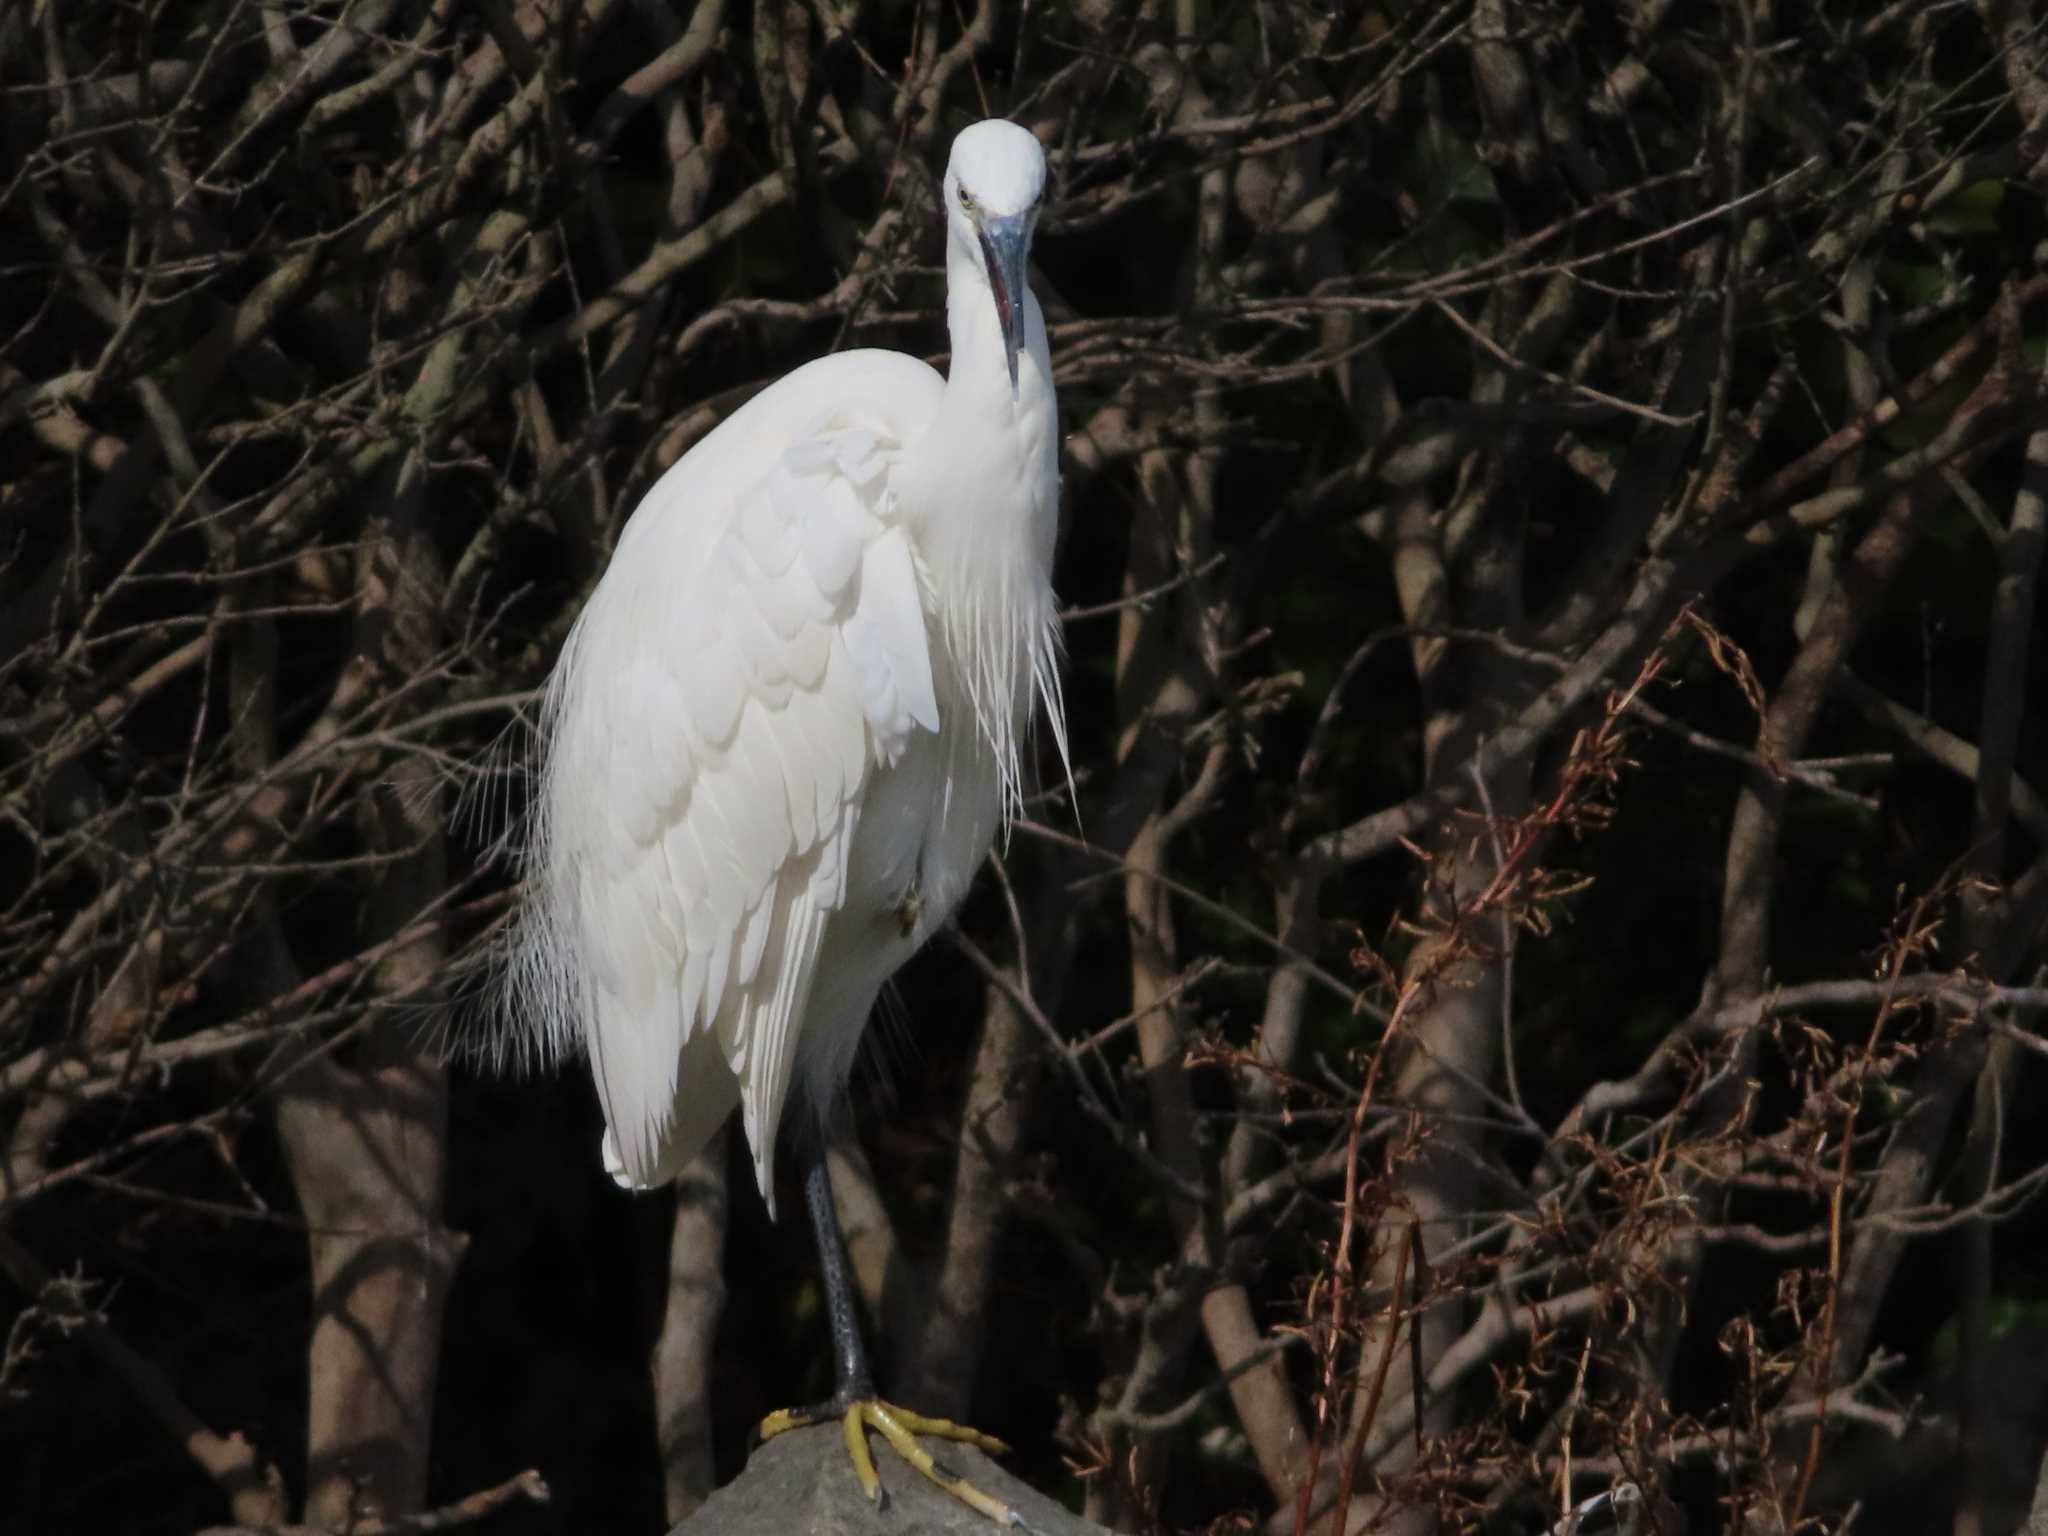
[763, 1052]
[885, 640]
[714, 687]
[790, 757]
[761, 652]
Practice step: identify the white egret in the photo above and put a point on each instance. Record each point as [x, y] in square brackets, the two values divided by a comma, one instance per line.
[787, 727]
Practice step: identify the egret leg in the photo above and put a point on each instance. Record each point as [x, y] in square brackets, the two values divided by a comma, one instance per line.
[854, 1401]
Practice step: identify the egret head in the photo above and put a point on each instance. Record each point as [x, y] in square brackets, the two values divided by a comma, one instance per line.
[993, 183]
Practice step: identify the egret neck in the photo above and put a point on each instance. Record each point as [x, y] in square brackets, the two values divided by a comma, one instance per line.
[986, 553]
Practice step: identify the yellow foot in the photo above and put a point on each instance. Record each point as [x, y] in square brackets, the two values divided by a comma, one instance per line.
[900, 1428]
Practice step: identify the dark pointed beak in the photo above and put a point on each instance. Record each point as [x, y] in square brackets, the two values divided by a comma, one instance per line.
[1005, 248]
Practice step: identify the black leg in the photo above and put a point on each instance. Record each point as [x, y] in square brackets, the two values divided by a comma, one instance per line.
[853, 1382]
[854, 1402]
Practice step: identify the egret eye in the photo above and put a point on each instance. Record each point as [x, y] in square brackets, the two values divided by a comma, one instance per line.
[967, 202]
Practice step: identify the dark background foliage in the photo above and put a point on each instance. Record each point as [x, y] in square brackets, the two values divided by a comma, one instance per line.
[1553, 889]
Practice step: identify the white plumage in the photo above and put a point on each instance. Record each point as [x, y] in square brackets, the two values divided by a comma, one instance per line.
[788, 724]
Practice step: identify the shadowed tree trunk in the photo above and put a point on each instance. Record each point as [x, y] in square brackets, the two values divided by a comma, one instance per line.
[366, 1138]
[689, 1332]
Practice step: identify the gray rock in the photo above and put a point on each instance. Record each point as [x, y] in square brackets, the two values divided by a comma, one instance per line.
[802, 1484]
